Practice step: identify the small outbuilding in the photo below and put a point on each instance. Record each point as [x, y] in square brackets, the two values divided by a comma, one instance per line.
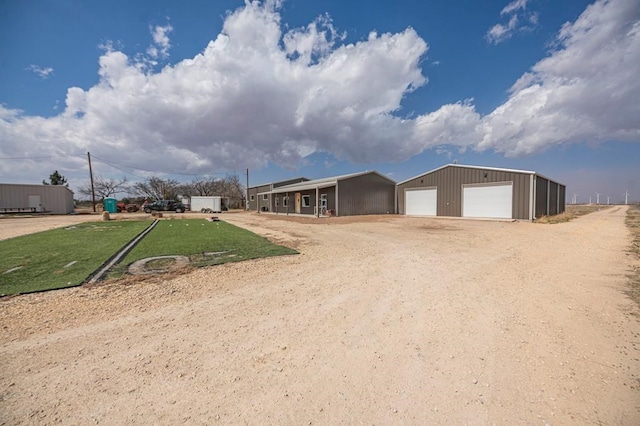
[457, 190]
[347, 195]
[17, 198]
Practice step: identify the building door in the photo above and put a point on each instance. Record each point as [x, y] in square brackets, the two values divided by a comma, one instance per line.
[35, 202]
[421, 202]
[488, 200]
[298, 202]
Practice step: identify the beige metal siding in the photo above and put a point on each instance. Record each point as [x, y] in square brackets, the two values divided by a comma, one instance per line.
[54, 199]
[366, 194]
[449, 181]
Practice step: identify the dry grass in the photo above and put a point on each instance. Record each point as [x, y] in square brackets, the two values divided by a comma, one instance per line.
[572, 211]
[633, 223]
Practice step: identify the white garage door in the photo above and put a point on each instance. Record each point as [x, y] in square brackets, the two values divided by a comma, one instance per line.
[488, 201]
[421, 202]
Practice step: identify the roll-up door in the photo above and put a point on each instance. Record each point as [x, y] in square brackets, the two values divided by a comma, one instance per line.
[488, 200]
[421, 202]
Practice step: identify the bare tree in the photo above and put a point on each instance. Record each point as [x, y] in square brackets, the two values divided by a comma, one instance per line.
[198, 187]
[105, 187]
[154, 188]
[229, 187]
[232, 188]
[203, 186]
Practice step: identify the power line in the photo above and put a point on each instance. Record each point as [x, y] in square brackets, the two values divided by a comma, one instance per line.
[119, 167]
[41, 158]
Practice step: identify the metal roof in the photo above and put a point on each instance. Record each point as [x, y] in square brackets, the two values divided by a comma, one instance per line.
[318, 183]
[277, 182]
[528, 172]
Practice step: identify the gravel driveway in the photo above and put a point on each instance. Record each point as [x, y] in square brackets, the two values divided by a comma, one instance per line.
[378, 320]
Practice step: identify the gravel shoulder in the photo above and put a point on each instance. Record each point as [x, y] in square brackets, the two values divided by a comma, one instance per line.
[379, 320]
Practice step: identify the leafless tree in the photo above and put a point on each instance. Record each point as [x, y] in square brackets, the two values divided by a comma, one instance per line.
[154, 188]
[229, 187]
[105, 187]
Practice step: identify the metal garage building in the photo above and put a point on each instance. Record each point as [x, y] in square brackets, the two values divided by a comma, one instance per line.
[481, 192]
[53, 199]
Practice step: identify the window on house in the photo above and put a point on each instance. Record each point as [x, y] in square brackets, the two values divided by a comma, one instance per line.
[306, 201]
[252, 197]
[323, 200]
[265, 197]
[285, 201]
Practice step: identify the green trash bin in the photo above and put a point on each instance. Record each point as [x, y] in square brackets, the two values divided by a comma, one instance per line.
[110, 205]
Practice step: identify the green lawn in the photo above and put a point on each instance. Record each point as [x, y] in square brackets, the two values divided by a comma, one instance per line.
[61, 257]
[66, 257]
[205, 243]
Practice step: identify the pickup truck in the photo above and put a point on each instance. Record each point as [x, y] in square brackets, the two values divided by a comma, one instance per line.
[164, 206]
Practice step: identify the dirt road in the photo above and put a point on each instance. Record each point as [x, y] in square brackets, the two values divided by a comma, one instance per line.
[384, 320]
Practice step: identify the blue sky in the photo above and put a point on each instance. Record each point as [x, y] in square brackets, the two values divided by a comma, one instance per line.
[202, 88]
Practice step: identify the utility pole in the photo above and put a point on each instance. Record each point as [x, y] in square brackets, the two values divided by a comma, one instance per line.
[246, 199]
[93, 192]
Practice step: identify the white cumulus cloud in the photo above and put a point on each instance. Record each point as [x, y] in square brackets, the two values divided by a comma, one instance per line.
[253, 95]
[256, 94]
[161, 43]
[586, 90]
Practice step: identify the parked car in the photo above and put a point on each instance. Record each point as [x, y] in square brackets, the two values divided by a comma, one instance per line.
[164, 206]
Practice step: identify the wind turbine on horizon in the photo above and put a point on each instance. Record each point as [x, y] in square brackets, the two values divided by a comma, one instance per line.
[598, 197]
[626, 197]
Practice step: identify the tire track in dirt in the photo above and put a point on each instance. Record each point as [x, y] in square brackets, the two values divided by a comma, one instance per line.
[378, 320]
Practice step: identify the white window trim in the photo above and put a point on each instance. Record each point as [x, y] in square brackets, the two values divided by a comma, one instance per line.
[265, 197]
[252, 197]
[306, 201]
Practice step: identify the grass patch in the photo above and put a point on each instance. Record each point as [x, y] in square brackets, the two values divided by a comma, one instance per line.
[204, 243]
[571, 212]
[633, 223]
[62, 257]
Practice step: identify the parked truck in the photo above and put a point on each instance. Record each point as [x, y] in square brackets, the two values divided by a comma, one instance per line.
[163, 206]
[208, 204]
